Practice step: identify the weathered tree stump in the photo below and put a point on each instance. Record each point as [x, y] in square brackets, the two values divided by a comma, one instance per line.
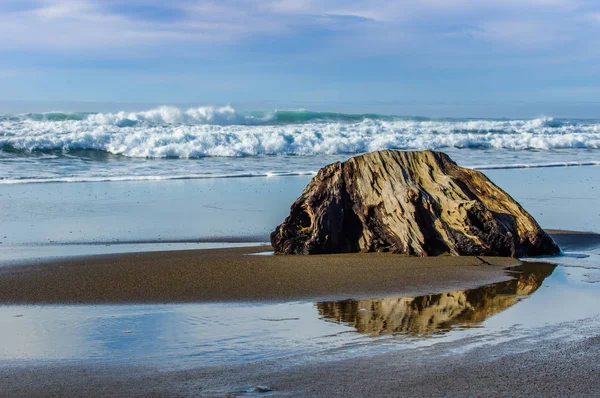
[415, 203]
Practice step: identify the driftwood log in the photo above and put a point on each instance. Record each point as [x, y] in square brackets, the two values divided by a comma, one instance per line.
[415, 203]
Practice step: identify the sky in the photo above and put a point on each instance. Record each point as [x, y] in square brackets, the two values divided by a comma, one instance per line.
[428, 57]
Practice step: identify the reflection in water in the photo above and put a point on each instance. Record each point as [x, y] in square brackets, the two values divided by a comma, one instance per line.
[224, 333]
[436, 313]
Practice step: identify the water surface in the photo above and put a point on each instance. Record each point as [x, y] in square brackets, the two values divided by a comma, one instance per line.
[192, 335]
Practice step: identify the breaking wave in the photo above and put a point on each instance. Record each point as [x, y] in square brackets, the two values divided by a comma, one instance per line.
[168, 132]
[221, 116]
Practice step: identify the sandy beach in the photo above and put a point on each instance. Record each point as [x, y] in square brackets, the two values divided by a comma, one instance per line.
[248, 275]
[239, 274]
[251, 274]
[218, 322]
[539, 363]
[533, 366]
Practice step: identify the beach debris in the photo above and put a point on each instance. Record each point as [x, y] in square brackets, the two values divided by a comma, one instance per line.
[261, 389]
[279, 319]
[255, 390]
[416, 203]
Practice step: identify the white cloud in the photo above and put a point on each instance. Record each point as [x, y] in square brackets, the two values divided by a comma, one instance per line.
[64, 9]
[88, 25]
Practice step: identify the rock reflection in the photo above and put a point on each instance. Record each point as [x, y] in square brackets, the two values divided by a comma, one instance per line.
[436, 313]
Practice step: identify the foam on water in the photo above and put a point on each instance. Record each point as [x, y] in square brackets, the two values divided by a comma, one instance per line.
[207, 131]
[534, 166]
[223, 132]
[225, 115]
[153, 177]
[268, 174]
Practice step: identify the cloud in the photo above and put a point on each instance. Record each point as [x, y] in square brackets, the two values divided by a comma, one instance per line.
[136, 26]
[87, 25]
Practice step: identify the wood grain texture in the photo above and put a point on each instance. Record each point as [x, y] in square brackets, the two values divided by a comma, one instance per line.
[415, 203]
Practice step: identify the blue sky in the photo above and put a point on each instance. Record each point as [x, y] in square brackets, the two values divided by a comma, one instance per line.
[468, 57]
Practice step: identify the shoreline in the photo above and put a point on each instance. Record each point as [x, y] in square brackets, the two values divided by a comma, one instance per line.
[542, 363]
[236, 275]
[265, 174]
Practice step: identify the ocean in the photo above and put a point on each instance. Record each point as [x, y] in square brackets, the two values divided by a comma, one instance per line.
[167, 143]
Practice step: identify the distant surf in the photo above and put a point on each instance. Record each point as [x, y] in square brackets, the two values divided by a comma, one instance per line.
[71, 147]
[223, 116]
[169, 132]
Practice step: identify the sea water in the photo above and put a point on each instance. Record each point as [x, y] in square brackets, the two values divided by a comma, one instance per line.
[211, 142]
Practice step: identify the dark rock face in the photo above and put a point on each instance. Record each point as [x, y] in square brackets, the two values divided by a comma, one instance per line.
[416, 203]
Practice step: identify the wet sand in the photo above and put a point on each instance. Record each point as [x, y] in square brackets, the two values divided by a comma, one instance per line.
[236, 274]
[575, 240]
[542, 364]
[536, 365]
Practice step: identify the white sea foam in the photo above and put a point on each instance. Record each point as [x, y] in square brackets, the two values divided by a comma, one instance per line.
[119, 178]
[223, 132]
[534, 165]
[225, 115]
[225, 143]
[269, 174]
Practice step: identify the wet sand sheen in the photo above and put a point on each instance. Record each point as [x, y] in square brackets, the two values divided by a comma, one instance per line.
[233, 274]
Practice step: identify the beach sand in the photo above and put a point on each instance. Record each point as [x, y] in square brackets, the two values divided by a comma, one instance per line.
[238, 274]
[540, 364]
[534, 366]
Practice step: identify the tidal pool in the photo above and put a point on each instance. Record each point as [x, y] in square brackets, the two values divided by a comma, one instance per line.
[193, 335]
